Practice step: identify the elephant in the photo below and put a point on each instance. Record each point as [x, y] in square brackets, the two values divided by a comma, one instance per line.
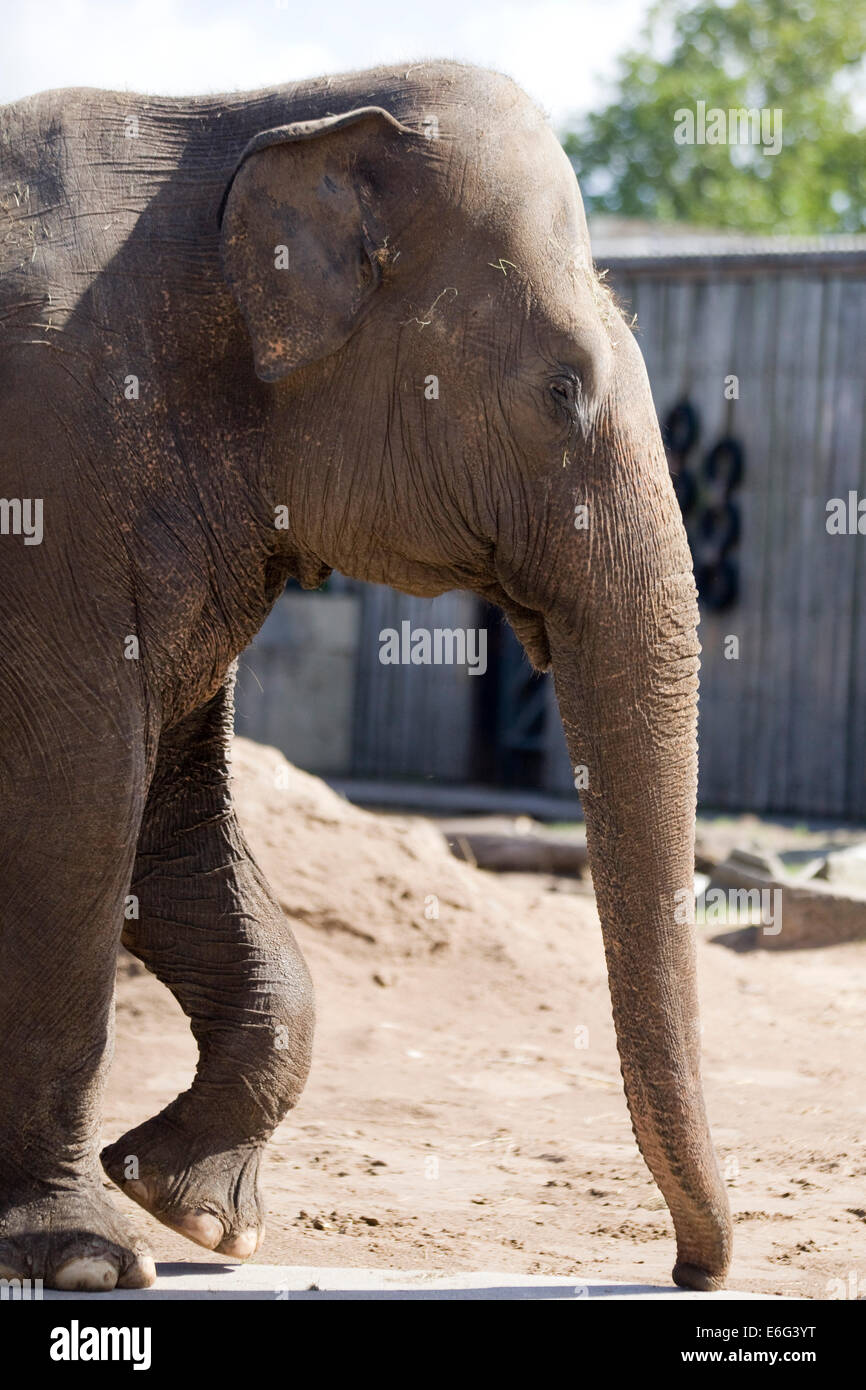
[217, 318]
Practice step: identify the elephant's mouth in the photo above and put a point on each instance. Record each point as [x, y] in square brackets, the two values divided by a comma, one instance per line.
[528, 626]
[530, 629]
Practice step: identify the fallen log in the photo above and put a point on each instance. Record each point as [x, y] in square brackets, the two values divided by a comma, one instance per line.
[524, 854]
[791, 913]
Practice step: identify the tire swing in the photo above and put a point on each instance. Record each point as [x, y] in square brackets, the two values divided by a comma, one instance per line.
[686, 489]
[719, 527]
[716, 574]
[717, 584]
[679, 434]
[680, 429]
[723, 466]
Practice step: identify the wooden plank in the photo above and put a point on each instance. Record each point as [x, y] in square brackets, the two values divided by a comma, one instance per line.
[846, 611]
[815, 783]
[799, 608]
[749, 420]
[855, 789]
[713, 332]
[780, 547]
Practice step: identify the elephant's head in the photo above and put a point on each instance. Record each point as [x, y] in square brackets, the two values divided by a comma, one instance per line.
[462, 404]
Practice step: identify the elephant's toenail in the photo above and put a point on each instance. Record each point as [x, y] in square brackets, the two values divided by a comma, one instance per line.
[241, 1246]
[140, 1275]
[201, 1227]
[86, 1274]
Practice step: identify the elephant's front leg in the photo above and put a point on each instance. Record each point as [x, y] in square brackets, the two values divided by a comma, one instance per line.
[209, 928]
[72, 777]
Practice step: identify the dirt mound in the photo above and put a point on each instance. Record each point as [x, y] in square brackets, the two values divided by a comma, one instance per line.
[386, 881]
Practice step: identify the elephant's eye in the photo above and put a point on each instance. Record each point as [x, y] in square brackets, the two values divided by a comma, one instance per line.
[565, 391]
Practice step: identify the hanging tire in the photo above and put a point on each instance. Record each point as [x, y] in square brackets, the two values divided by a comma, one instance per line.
[724, 464]
[719, 527]
[680, 429]
[686, 490]
[717, 584]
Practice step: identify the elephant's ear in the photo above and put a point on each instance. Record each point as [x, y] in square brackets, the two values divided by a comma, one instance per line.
[303, 231]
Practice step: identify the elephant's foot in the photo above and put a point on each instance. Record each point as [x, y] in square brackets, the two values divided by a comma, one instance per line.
[202, 1191]
[72, 1240]
[687, 1276]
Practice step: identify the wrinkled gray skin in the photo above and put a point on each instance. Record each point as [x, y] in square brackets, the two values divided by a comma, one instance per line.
[439, 233]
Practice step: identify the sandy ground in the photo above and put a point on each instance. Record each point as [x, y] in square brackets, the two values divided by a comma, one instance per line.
[465, 1110]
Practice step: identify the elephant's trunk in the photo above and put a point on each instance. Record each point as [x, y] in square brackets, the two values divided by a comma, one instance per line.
[627, 690]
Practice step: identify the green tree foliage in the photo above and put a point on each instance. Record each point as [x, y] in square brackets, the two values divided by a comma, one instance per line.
[803, 57]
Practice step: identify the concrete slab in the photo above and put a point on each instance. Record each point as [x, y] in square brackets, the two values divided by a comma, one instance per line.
[284, 1282]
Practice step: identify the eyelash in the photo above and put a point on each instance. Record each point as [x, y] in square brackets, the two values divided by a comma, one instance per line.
[566, 393]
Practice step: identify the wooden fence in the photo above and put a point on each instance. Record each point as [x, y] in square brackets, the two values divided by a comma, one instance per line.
[413, 721]
[783, 726]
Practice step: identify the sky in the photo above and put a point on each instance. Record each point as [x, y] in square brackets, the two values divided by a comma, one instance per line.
[561, 51]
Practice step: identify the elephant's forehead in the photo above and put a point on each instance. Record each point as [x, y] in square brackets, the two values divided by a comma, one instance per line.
[515, 191]
[520, 177]
[525, 209]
